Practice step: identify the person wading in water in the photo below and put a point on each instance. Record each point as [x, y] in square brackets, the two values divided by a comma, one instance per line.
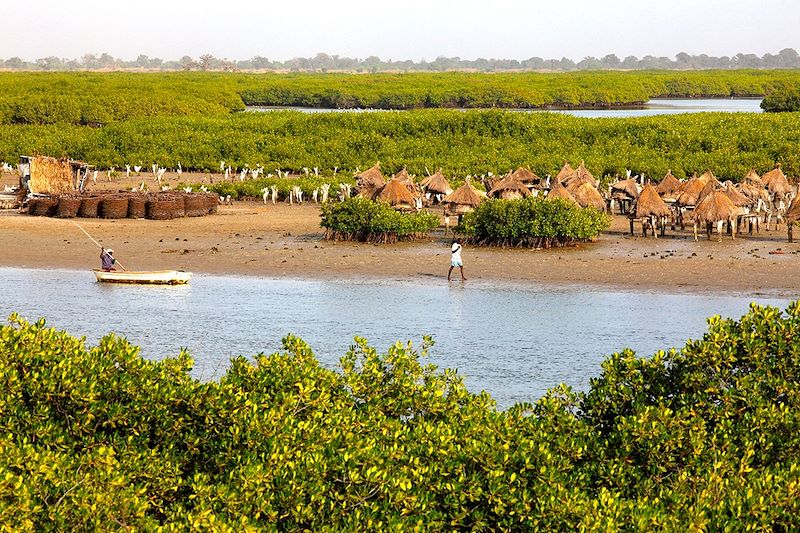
[455, 259]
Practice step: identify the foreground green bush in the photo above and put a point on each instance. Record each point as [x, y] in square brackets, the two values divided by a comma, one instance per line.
[782, 100]
[532, 222]
[704, 438]
[360, 219]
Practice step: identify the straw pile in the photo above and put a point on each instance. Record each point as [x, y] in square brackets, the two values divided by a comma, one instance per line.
[89, 206]
[43, 207]
[196, 205]
[136, 206]
[51, 176]
[114, 207]
[68, 206]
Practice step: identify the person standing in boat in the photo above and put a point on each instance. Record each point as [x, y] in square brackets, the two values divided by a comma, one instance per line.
[107, 260]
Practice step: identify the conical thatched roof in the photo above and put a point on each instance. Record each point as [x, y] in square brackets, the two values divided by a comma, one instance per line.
[396, 194]
[753, 178]
[581, 176]
[715, 206]
[403, 176]
[707, 176]
[588, 196]
[526, 176]
[668, 185]
[738, 199]
[565, 172]
[509, 187]
[559, 191]
[466, 195]
[689, 192]
[750, 189]
[775, 181]
[627, 187]
[793, 213]
[650, 204]
[712, 185]
[370, 182]
[437, 183]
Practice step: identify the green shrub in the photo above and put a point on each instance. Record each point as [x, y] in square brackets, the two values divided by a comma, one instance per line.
[533, 222]
[359, 219]
[783, 99]
[706, 437]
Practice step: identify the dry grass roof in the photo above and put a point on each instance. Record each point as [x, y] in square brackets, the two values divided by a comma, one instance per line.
[793, 213]
[738, 199]
[650, 204]
[396, 194]
[753, 178]
[668, 185]
[526, 176]
[509, 186]
[588, 196]
[370, 182]
[628, 187]
[714, 207]
[565, 172]
[559, 191]
[437, 183]
[775, 181]
[689, 192]
[580, 176]
[465, 195]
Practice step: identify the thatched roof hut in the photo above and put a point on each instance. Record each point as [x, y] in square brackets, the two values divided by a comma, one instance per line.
[581, 176]
[650, 204]
[526, 176]
[625, 189]
[776, 182]
[396, 194]
[714, 207]
[370, 182]
[707, 176]
[559, 191]
[668, 185]
[711, 185]
[436, 184]
[588, 196]
[464, 199]
[565, 172]
[793, 213]
[753, 178]
[689, 192]
[509, 188]
[738, 199]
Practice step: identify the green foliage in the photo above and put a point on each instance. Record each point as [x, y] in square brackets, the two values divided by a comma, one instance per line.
[254, 188]
[703, 438]
[462, 143]
[535, 222]
[360, 219]
[782, 100]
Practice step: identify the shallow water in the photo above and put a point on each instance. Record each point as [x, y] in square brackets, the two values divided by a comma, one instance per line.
[653, 107]
[515, 341]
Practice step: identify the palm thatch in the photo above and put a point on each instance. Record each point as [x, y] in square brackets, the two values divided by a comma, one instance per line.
[437, 183]
[650, 204]
[689, 192]
[753, 178]
[793, 213]
[559, 191]
[625, 188]
[738, 199]
[776, 182]
[565, 172]
[464, 199]
[526, 176]
[396, 194]
[370, 182]
[668, 185]
[581, 176]
[588, 196]
[715, 206]
[509, 188]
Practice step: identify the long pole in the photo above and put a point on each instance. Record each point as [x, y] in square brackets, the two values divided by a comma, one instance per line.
[94, 241]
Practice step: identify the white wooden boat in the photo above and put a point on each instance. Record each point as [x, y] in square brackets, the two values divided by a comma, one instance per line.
[152, 277]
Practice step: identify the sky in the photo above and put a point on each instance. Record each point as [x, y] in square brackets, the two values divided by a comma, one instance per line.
[407, 29]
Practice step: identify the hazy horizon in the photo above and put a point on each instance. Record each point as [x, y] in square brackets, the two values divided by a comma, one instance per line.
[239, 30]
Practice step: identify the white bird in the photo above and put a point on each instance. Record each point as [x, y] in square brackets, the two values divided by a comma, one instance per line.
[204, 188]
[187, 189]
[165, 187]
[137, 168]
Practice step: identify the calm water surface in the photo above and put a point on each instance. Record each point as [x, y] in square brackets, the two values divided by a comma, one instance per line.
[513, 341]
[653, 107]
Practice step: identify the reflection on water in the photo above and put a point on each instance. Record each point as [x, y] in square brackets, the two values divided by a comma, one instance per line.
[653, 107]
[514, 341]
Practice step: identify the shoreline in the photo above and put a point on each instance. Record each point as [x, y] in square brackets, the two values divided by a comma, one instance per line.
[285, 242]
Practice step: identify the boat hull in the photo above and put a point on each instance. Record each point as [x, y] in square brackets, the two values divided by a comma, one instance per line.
[150, 277]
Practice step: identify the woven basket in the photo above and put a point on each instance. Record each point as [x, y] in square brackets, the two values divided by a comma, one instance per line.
[196, 205]
[136, 206]
[164, 208]
[89, 207]
[68, 206]
[43, 207]
[114, 207]
[212, 202]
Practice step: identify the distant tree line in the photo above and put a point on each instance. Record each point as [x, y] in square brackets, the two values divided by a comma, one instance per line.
[787, 58]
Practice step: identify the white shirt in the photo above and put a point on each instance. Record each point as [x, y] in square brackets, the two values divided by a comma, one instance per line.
[456, 251]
